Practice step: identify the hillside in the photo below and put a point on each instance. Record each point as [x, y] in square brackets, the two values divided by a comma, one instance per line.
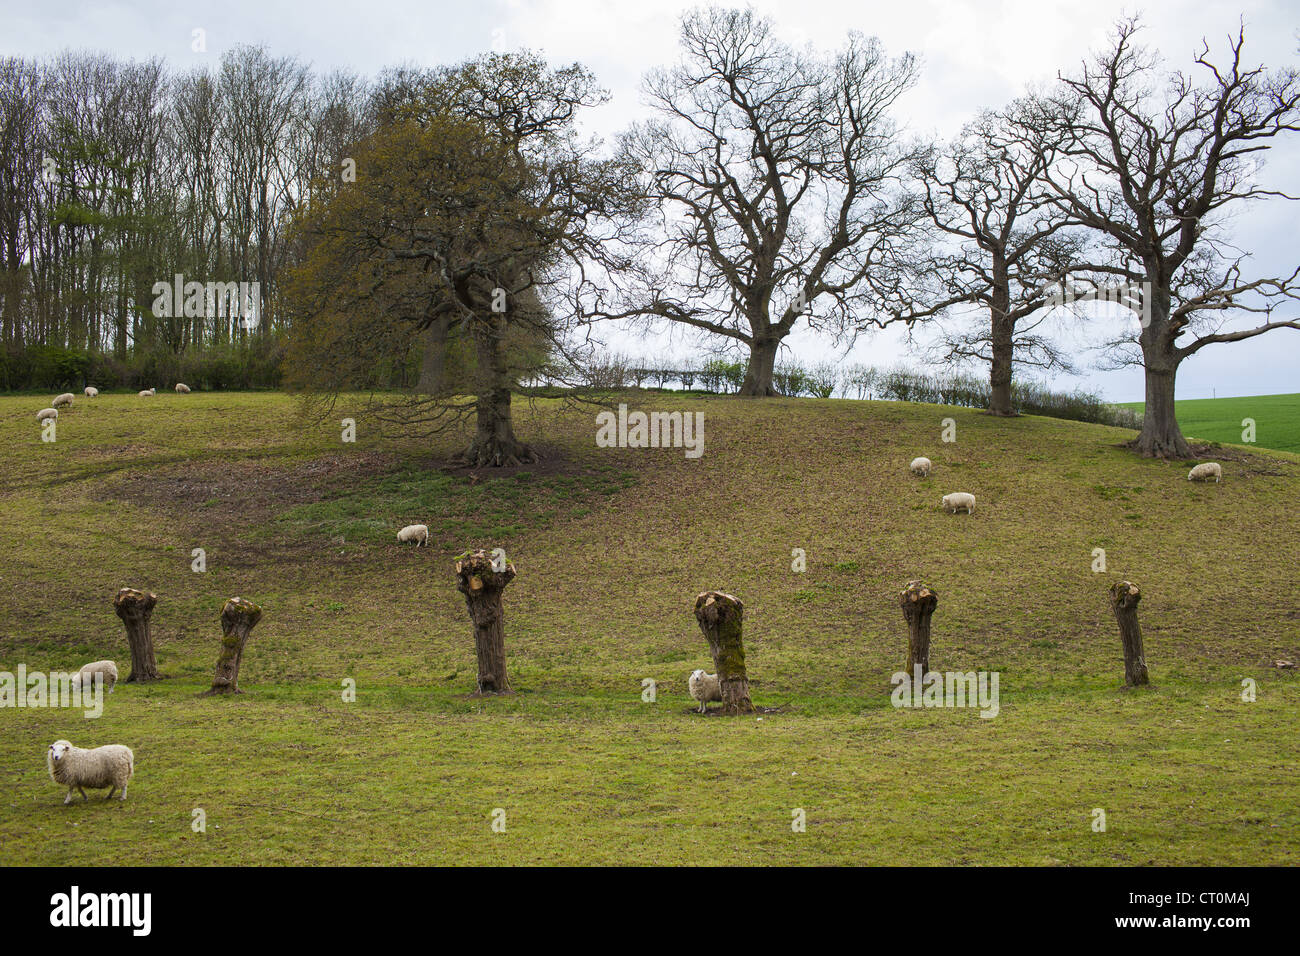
[611, 547]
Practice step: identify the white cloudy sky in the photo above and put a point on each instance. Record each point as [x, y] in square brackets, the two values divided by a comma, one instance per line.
[974, 54]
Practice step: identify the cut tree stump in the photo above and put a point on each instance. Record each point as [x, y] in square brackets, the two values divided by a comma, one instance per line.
[1124, 597]
[135, 608]
[238, 618]
[918, 603]
[483, 586]
[721, 618]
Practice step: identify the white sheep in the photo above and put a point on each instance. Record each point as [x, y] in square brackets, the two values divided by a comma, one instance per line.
[45, 413]
[109, 766]
[1206, 470]
[147, 392]
[418, 533]
[64, 399]
[86, 676]
[921, 466]
[91, 391]
[182, 388]
[704, 688]
[958, 500]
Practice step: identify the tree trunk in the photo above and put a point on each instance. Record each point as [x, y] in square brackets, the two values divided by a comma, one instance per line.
[721, 617]
[1160, 436]
[762, 367]
[433, 364]
[1124, 597]
[918, 603]
[494, 445]
[483, 585]
[238, 618]
[135, 608]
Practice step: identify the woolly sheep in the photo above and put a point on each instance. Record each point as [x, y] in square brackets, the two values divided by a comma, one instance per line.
[147, 392]
[1205, 470]
[91, 391]
[704, 688]
[45, 413]
[109, 766]
[958, 500]
[86, 676]
[921, 466]
[64, 399]
[418, 533]
[182, 388]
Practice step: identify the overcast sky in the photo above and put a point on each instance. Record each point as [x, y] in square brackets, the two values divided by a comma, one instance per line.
[974, 55]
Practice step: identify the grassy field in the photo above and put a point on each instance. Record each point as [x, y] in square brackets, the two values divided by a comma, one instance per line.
[611, 547]
[1277, 419]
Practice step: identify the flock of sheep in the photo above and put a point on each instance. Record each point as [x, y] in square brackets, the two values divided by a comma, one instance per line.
[112, 765]
[65, 400]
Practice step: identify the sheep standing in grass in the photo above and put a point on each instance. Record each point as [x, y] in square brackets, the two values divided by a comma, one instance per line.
[1205, 471]
[109, 766]
[704, 688]
[958, 500]
[91, 391]
[182, 388]
[418, 533]
[921, 466]
[64, 399]
[145, 393]
[86, 676]
[45, 413]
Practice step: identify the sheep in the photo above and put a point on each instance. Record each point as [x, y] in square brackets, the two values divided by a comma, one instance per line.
[1204, 470]
[182, 388]
[145, 393]
[704, 688]
[64, 399]
[86, 676]
[418, 533]
[958, 500]
[109, 766]
[91, 391]
[921, 466]
[45, 413]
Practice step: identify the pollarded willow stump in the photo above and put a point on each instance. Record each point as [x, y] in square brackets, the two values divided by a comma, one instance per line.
[135, 608]
[238, 618]
[721, 618]
[1124, 597]
[918, 603]
[483, 584]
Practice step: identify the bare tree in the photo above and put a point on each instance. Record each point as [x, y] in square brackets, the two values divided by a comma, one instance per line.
[1004, 244]
[1155, 164]
[777, 176]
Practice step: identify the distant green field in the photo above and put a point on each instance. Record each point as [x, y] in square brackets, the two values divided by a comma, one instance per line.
[1277, 419]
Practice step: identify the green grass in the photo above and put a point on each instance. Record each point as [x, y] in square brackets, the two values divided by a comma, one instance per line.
[611, 547]
[1277, 419]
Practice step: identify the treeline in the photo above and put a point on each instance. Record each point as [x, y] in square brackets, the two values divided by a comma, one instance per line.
[615, 371]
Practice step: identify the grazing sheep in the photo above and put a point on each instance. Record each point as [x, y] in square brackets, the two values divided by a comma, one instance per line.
[958, 500]
[109, 766]
[91, 391]
[147, 392]
[921, 466]
[182, 388]
[86, 676]
[418, 533]
[1205, 471]
[45, 413]
[704, 688]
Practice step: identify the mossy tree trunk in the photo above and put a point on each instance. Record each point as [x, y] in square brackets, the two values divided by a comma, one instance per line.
[135, 608]
[1124, 597]
[918, 603]
[721, 618]
[483, 585]
[238, 618]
